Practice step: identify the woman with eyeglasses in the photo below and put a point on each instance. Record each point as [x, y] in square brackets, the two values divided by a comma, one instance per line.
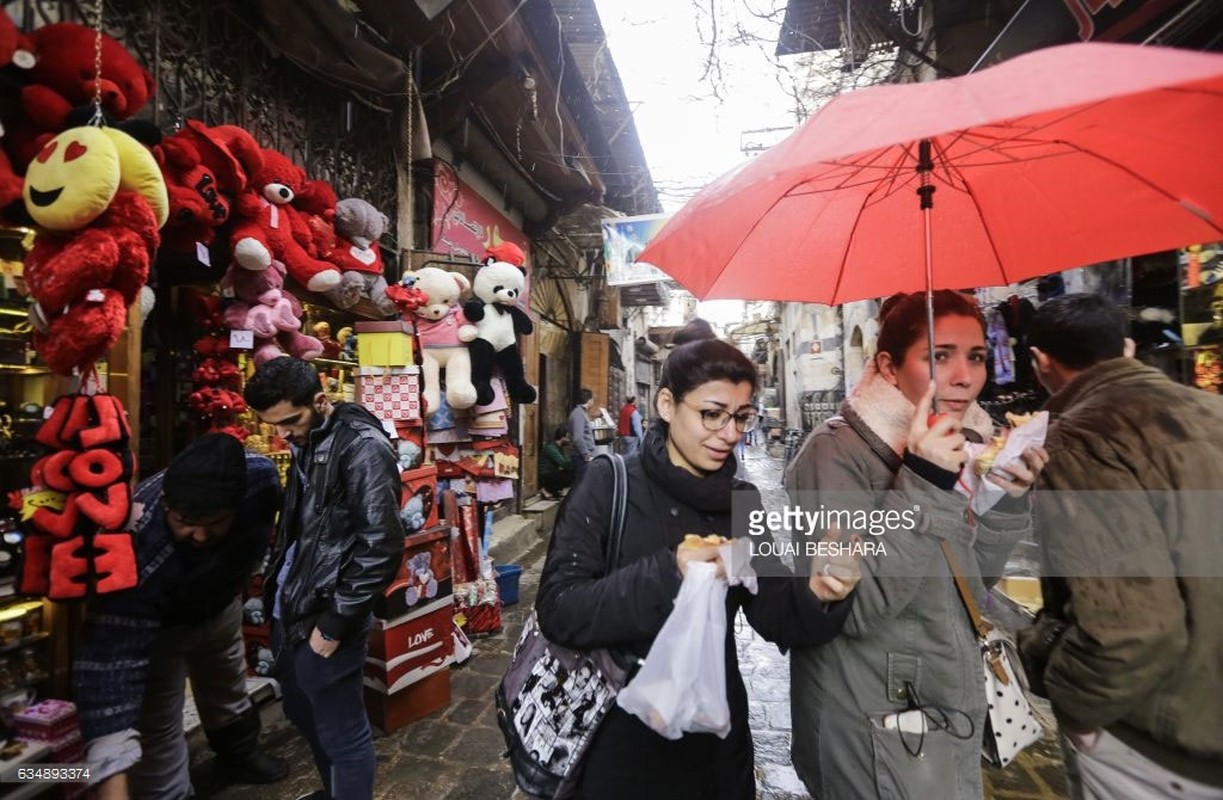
[680, 481]
[896, 705]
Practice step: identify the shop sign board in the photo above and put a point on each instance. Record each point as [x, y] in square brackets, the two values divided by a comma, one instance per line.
[465, 225]
[623, 240]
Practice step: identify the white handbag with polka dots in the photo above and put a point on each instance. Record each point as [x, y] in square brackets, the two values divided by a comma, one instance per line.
[1010, 725]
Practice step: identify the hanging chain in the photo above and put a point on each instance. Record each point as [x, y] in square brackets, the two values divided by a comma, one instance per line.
[98, 118]
[411, 117]
[409, 177]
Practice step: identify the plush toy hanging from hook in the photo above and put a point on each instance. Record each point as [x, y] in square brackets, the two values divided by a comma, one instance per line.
[99, 197]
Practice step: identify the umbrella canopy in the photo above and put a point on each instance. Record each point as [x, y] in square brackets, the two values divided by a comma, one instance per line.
[1056, 159]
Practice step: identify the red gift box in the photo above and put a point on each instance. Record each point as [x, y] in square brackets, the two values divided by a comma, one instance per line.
[390, 712]
[411, 442]
[259, 660]
[419, 489]
[480, 602]
[392, 394]
[424, 574]
[411, 648]
[68, 749]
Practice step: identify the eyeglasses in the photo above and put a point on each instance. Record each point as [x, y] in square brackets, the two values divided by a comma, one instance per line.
[715, 419]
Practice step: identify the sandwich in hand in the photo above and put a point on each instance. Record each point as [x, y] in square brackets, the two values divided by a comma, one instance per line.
[696, 540]
[985, 461]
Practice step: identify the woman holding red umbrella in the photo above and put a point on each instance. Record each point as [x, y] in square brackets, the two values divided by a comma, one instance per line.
[908, 644]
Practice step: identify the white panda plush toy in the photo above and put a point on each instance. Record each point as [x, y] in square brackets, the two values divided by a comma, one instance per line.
[498, 321]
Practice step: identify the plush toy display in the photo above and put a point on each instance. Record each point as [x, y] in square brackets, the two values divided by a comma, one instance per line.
[80, 499]
[64, 78]
[252, 612]
[322, 332]
[498, 321]
[269, 311]
[264, 660]
[220, 406]
[415, 512]
[353, 248]
[347, 339]
[409, 455]
[422, 583]
[268, 227]
[17, 50]
[100, 195]
[203, 176]
[438, 323]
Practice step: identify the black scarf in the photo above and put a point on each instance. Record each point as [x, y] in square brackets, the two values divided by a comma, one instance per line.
[710, 494]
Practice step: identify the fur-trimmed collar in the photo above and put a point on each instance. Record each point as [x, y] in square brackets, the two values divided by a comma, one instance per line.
[887, 412]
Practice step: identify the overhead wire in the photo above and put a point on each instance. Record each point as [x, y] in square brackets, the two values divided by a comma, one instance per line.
[461, 66]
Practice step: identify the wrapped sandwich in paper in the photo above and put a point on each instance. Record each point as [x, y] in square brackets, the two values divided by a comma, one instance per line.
[1022, 431]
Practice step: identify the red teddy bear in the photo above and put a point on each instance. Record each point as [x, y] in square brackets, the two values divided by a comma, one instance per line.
[64, 78]
[203, 170]
[17, 50]
[268, 227]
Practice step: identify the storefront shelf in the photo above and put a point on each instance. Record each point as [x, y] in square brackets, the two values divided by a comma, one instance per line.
[24, 641]
[33, 754]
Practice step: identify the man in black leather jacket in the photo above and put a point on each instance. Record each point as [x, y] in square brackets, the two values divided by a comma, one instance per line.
[340, 543]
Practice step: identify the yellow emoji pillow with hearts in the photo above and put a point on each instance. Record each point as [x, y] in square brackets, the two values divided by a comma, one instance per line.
[75, 176]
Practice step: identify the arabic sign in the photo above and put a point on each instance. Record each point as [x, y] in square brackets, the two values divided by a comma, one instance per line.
[623, 240]
[464, 223]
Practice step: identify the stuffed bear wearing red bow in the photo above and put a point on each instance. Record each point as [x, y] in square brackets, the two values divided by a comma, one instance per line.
[269, 228]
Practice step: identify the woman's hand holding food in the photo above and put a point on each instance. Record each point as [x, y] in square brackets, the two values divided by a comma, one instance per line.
[1023, 473]
[698, 548]
[937, 438]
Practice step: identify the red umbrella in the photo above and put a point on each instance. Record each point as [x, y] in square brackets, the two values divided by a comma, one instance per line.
[1056, 159]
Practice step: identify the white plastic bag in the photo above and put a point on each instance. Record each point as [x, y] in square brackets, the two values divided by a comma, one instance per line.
[737, 557]
[681, 687]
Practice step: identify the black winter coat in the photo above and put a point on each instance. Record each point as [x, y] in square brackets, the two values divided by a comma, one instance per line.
[583, 604]
[344, 516]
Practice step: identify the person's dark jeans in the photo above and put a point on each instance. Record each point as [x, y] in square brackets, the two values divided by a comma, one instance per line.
[579, 468]
[323, 698]
[554, 482]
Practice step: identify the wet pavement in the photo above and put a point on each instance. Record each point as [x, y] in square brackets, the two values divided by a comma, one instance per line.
[455, 753]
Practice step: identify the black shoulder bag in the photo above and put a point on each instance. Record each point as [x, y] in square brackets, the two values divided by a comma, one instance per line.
[551, 700]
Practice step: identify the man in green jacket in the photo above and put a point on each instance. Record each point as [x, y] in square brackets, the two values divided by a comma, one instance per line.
[1129, 647]
[555, 468]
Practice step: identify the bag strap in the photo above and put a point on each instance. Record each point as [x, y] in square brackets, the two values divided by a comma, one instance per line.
[611, 554]
[974, 613]
[966, 596]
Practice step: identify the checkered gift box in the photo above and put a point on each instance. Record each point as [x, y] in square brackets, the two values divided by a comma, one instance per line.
[392, 394]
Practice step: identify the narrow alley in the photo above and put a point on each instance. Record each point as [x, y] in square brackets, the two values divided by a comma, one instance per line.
[455, 753]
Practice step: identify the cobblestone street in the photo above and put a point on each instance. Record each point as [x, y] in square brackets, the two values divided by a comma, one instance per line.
[455, 754]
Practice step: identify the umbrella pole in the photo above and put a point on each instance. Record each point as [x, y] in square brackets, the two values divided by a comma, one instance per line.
[925, 165]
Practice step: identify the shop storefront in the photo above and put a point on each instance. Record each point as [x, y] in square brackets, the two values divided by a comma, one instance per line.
[289, 205]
